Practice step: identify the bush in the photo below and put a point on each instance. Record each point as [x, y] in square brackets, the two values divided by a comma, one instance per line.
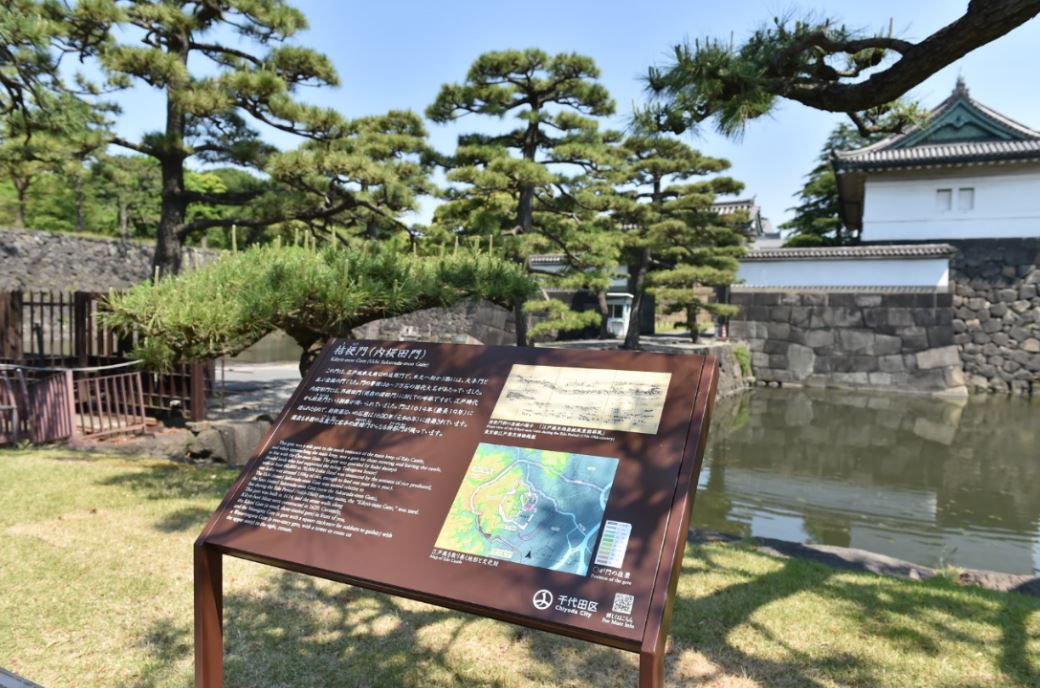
[226, 306]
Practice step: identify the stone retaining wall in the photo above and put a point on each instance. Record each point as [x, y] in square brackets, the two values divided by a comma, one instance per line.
[831, 339]
[996, 319]
[70, 262]
[471, 321]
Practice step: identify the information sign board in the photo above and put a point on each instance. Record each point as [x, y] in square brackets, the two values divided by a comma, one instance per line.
[545, 487]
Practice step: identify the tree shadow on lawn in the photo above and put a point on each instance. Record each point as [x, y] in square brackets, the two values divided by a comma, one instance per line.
[170, 480]
[881, 607]
[295, 632]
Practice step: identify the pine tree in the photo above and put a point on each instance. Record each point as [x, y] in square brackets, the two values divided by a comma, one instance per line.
[225, 68]
[510, 183]
[667, 224]
[817, 220]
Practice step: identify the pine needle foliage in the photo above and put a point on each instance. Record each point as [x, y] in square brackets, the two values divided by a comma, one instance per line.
[225, 306]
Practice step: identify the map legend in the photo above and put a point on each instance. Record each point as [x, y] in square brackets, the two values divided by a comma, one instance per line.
[614, 544]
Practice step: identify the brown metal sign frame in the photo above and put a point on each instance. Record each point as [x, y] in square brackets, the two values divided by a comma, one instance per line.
[208, 555]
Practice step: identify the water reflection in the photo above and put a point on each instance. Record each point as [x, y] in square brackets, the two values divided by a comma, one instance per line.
[921, 479]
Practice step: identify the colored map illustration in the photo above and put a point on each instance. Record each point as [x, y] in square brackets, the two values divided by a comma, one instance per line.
[530, 506]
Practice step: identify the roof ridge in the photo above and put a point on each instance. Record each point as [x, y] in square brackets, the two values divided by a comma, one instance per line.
[960, 94]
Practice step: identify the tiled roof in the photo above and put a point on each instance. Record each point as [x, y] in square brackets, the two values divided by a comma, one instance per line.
[851, 252]
[954, 152]
[961, 130]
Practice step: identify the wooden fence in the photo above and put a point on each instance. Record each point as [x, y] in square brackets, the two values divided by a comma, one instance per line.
[52, 329]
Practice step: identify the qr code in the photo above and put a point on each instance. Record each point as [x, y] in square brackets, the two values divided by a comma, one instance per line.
[623, 603]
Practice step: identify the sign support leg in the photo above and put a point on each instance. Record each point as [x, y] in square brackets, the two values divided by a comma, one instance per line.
[651, 668]
[209, 611]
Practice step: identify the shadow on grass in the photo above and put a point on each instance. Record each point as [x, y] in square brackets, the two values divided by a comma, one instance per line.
[176, 481]
[295, 631]
[895, 612]
[189, 518]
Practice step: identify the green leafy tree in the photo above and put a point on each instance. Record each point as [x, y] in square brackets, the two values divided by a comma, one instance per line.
[72, 135]
[510, 184]
[699, 255]
[818, 62]
[225, 306]
[817, 220]
[667, 223]
[34, 36]
[225, 68]
[131, 185]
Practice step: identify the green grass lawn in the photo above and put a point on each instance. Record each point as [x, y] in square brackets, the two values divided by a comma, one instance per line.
[96, 590]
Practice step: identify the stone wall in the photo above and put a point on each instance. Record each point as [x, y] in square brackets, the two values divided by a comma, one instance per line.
[901, 341]
[70, 262]
[996, 320]
[471, 321]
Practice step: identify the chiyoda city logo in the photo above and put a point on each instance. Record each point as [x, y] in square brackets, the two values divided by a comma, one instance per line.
[542, 599]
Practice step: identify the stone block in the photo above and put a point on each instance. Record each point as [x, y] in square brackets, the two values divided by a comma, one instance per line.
[818, 338]
[875, 318]
[867, 300]
[1021, 306]
[1007, 295]
[739, 329]
[991, 326]
[899, 317]
[856, 341]
[881, 379]
[775, 346]
[888, 344]
[851, 379]
[977, 303]
[940, 335]
[1032, 345]
[963, 338]
[821, 317]
[938, 358]
[799, 316]
[847, 317]
[998, 310]
[927, 317]
[1027, 291]
[778, 361]
[958, 326]
[800, 361]
[1020, 334]
[778, 330]
[954, 376]
[759, 360]
[891, 364]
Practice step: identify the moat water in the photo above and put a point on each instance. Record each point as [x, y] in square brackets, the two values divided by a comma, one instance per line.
[922, 479]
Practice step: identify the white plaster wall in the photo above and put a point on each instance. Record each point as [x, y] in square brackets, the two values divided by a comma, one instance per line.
[864, 272]
[901, 208]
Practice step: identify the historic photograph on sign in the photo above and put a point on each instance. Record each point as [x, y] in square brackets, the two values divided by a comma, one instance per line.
[530, 506]
[622, 400]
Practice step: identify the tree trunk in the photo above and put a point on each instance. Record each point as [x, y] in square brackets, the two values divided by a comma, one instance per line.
[168, 241]
[691, 320]
[521, 323]
[525, 221]
[638, 289]
[21, 187]
[78, 186]
[604, 313]
[167, 259]
[124, 220]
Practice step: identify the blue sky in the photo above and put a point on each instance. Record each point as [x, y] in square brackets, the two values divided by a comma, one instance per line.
[396, 54]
